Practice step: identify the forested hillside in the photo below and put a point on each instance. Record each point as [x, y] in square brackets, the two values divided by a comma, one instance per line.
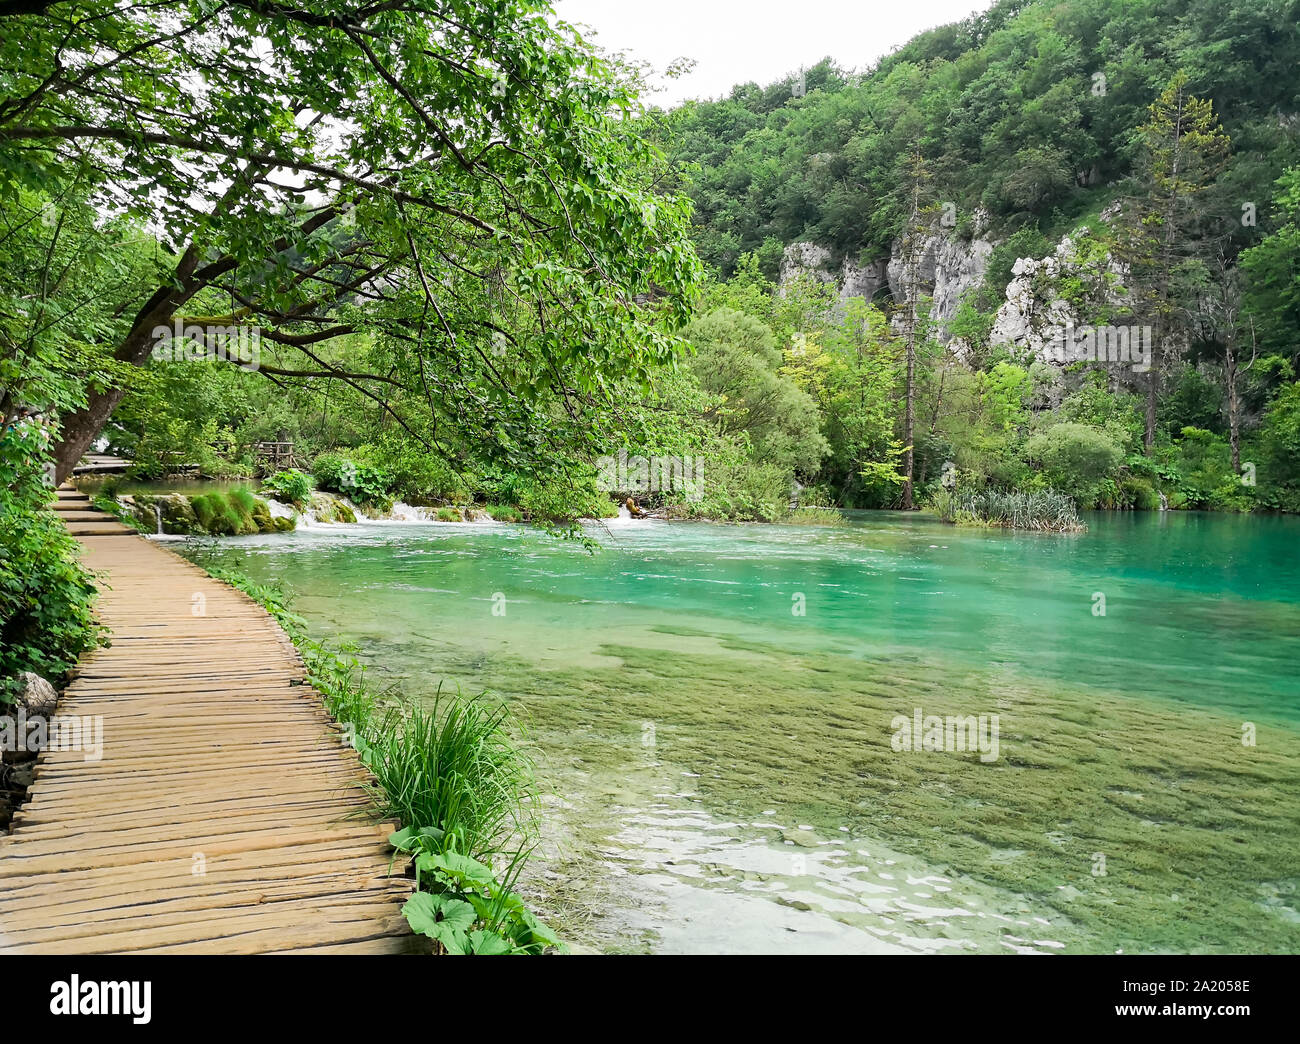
[1046, 166]
[1029, 111]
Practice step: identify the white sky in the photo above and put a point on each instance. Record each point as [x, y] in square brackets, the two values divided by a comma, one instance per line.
[734, 41]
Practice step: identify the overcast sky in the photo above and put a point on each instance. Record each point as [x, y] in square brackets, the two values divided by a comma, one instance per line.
[761, 40]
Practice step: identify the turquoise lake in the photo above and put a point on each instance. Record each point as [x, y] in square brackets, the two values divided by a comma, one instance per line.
[714, 711]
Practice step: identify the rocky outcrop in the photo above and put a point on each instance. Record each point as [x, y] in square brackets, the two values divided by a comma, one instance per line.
[851, 278]
[948, 267]
[1034, 313]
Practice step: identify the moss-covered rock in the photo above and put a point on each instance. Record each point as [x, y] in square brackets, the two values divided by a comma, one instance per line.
[173, 509]
[261, 516]
[329, 508]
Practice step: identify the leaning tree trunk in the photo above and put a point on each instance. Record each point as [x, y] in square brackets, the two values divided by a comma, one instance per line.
[79, 428]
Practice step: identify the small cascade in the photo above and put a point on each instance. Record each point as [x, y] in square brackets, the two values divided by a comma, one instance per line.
[1164, 502]
[403, 512]
[157, 514]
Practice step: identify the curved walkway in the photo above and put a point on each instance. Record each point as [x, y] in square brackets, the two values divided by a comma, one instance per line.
[223, 815]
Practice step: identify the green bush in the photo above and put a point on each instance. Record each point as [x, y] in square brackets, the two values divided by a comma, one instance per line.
[358, 481]
[555, 501]
[503, 513]
[292, 486]
[46, 621]
[1206, 480]
[815, 516]
[1074, 459]
[447, 514]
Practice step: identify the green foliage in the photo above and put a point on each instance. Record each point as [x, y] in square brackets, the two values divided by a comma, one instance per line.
[292, 486]
[1074, 459]
[1004, 106]
[1273, 290]
[447, 514]
[503, 513]
[46, 595]
[556, 502]
[358, 481]
[737, 362]
[1205, 479]
[462, 906]
[454, 766]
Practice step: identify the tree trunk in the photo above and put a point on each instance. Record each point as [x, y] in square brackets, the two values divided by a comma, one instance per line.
[1234, 420]
[909, 419]
[79, 429]
[1153, 389]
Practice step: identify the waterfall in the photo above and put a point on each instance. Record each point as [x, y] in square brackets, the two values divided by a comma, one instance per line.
[157, 514]
[1164, 502]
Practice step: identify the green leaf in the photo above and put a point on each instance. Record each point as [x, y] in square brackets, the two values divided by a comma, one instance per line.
[484, 942]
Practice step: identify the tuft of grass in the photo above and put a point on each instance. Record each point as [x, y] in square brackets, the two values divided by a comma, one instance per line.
[448, 514]
[815, 516]
[242, 500]
[456, 767]
[503, 513]
[1045, 510]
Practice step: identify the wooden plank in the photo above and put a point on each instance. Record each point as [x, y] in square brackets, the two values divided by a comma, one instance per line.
[215, 755]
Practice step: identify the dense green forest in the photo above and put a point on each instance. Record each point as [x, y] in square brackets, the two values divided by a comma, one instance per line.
[479, 309]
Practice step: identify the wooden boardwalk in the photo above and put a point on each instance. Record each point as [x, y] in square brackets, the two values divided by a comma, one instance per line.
[223, 816]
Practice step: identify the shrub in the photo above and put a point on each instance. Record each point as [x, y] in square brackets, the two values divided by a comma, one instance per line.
[555, 501]
[1074, 459]
[46, 621]
[447, 514]
[292, 486]
[503, 513]
[361, 482]
[816, 516]
[1205, 477]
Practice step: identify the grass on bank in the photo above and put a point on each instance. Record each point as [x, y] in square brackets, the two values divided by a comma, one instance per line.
[1040, 510]
[816, 516]
[453, 775]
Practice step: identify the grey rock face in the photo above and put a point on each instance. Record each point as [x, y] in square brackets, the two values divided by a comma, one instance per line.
[948, 267]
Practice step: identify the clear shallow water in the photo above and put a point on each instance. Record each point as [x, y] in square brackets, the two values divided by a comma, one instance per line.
[721, 765]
